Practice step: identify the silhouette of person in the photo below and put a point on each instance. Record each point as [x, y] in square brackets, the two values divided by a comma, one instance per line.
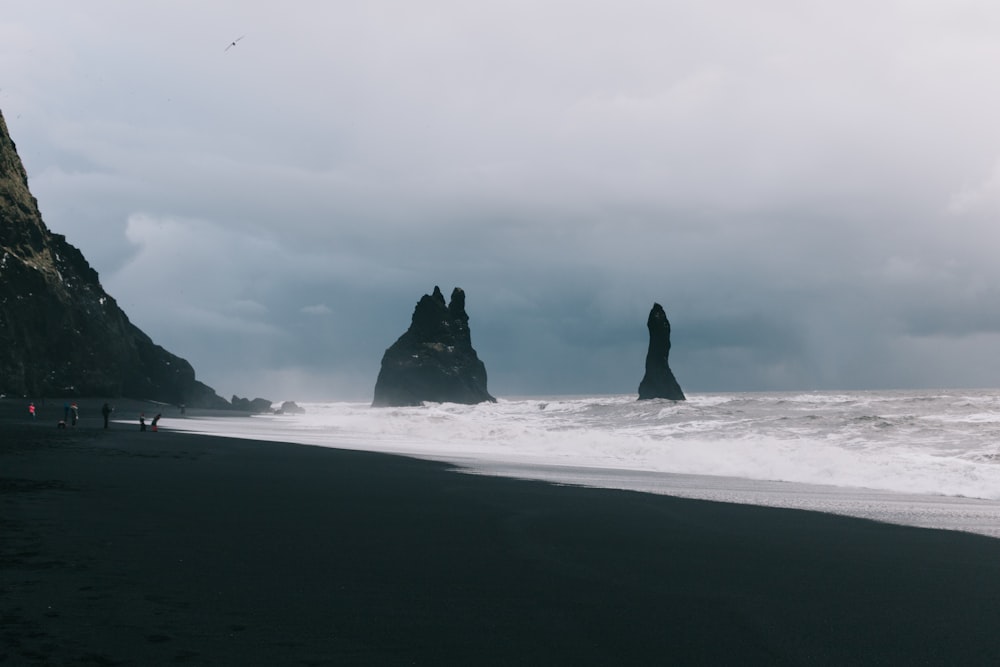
[156, 419]
[31, 410]
[142, 421]
[106, 411]
[75, 412]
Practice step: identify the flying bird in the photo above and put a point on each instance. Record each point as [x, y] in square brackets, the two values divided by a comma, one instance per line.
[234, 43]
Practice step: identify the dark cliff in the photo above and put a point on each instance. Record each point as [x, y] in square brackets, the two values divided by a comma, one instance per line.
[434, 360]
[659, 381]
[61, 334]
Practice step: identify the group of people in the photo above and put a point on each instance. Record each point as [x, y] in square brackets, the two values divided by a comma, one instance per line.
[142, 421]
[71, 415]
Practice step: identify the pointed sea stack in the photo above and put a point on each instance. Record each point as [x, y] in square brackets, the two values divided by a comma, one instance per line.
[659, 381]
[434, 360]
[61, 334]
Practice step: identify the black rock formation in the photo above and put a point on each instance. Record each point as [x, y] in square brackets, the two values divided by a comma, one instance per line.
[60, 332]
[434, 360]
[256, 406]
[659, 381]
[290, 408]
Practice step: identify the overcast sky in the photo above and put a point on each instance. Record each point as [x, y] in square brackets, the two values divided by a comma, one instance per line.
[810, 189]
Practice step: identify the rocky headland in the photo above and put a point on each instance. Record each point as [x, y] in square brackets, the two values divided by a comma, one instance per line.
[61, 334]
[659, 380]
[434, 360]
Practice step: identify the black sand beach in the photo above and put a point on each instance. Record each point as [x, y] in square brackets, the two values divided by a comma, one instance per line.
[126, 548]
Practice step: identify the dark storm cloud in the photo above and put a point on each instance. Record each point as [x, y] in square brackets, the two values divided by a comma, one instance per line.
[810, 190]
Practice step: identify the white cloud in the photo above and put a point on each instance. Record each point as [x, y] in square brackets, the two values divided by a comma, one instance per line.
[979, 198]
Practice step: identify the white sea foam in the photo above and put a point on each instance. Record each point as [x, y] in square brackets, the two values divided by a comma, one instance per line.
[907, 449]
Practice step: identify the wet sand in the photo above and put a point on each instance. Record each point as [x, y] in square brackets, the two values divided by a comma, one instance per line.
[126, 548]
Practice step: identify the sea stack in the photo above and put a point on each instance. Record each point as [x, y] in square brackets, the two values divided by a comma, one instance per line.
[434, 360]
[659, 380]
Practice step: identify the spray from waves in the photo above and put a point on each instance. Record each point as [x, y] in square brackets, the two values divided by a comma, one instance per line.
[937, 443]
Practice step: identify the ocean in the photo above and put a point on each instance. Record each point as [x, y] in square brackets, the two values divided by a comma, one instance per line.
[921, 458]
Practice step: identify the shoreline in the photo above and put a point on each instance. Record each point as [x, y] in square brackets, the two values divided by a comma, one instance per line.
[132, 548]
[979, 516]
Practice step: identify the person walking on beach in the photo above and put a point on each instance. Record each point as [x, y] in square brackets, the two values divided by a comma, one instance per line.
[31, 410]
[156, 419]
[142, 421]
[75, 412]
[106, 411]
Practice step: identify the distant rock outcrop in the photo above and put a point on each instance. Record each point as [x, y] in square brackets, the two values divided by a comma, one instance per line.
[60, 332]
[659, 381]
[290, 408]
[434, 360]
[256, 406]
